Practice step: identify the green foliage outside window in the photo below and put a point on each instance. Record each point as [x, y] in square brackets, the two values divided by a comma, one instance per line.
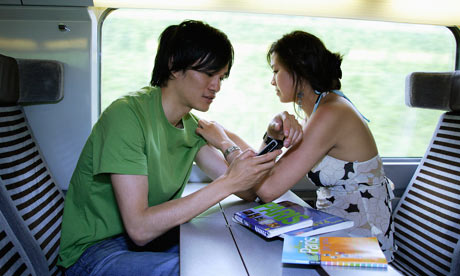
[377, 58]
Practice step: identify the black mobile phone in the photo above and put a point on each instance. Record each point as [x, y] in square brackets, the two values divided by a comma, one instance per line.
[274, 144]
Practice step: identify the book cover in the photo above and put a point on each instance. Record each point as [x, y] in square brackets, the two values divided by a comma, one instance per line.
[272, 219]
[352, 251]
[338, 251]
[301, 250]
[322, 223]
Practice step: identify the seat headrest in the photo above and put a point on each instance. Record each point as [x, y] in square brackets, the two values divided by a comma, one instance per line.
[29, 81]
[9, 80]
[434, 90]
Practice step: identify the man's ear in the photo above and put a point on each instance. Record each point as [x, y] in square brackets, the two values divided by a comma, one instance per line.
[170, 64]
[177, 74]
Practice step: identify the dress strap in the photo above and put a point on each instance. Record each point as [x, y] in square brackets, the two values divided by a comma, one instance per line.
[338, 92]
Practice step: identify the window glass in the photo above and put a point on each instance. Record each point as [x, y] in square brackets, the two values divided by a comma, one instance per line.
[377, 58]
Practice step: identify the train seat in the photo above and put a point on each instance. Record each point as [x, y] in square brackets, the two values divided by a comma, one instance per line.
[427, 218]
[31, 202]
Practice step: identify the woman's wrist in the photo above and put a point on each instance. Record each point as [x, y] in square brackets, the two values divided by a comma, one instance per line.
[267, 138]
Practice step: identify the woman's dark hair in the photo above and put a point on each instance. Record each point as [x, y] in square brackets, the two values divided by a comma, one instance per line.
[191, 45]
[305, 57]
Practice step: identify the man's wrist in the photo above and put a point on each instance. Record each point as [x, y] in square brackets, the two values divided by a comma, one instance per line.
[225, 144]
[230, 150]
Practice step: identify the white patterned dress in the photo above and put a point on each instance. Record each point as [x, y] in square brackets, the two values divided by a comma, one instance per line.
[359, 191]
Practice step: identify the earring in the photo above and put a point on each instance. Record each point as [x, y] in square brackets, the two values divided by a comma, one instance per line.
[299, 98]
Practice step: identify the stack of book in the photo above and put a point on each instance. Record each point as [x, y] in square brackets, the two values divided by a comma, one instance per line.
[300, 225]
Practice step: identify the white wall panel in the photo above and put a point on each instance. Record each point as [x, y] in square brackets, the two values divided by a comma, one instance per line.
[74, 3]
[61, 129]
[10, 2]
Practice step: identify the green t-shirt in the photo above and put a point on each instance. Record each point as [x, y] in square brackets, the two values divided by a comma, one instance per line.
[132, 136]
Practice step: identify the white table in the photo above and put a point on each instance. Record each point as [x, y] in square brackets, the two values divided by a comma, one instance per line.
[213, 244]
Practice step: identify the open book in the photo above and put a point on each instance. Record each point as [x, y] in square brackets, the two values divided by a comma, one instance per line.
[272, 219]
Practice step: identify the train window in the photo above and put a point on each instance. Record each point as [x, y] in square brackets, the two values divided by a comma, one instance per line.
[377, 58]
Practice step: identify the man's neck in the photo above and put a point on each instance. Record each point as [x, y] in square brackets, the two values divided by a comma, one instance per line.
[172, 108]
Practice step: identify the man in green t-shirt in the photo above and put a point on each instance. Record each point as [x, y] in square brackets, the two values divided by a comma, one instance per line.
[125, 193]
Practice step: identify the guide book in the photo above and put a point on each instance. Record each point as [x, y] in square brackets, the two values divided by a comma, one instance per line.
[272, 219]
[338, 251]
[322, 223]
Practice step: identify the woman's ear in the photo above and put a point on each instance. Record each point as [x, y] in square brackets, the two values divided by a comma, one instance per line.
[305, 86]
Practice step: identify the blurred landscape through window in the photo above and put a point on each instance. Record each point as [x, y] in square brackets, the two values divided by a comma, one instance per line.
[377, 58]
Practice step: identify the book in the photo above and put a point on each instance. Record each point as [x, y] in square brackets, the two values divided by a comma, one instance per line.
[272, 219]
[301, 250]
[338, 251]
[322, 223]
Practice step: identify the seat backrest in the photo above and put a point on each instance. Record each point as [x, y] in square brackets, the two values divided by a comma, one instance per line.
[13, 259]
[427, 218]
[32, 203]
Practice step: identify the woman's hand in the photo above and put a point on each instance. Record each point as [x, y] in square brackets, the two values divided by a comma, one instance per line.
[285, 126]
[213, 133]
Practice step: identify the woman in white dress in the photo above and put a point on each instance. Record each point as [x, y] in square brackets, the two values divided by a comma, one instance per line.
[337, 152]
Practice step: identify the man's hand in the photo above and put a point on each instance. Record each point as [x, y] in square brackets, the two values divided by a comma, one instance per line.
[248, 169]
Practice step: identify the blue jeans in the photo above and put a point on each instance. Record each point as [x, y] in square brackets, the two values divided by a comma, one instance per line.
[119, 256]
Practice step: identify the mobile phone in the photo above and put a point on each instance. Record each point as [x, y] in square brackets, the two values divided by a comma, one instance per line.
[272, 145]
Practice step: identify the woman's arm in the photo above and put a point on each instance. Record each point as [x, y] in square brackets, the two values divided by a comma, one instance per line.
[320, 135]
[282, 126]
[214, 164]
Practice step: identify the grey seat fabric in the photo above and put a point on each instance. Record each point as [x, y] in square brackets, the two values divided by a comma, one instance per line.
[32, 203]
[427, 218]
[13, 259]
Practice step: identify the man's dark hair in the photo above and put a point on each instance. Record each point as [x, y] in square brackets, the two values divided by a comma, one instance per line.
[191, 45]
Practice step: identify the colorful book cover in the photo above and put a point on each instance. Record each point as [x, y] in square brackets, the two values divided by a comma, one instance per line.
[352, 251]
[322, 223]
[272, 219]
[338, 251]
[301, 250]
